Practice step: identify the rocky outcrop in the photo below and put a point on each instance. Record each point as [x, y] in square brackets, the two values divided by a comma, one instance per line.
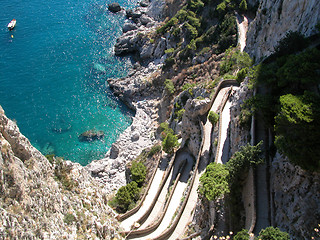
[296, 195]
[275, 18]
[47, 200]
[114, 7]
[91, 135]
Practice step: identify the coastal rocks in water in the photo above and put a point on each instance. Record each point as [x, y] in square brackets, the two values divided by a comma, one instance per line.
[114, 7]
[135, 136]
[91, 135]
[127, 43]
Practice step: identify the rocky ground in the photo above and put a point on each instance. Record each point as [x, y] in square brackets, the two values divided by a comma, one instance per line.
[47, 200]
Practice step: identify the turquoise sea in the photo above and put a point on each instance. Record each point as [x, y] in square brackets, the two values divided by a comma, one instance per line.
[53, 68]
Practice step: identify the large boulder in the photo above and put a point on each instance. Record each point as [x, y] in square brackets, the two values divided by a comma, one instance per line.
[128, 26]
[114, 7]
[91, 135]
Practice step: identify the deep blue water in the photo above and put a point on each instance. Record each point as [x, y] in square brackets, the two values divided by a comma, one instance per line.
[53, 68]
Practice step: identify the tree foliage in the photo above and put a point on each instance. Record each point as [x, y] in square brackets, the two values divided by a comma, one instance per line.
[168, 86]
[138, 172]
[242, 235]
[297, 129]
[239, 164]
[127, 195]
[243, 6]
[214, 182]
[213, 117]
[271, 233]
[170, 142]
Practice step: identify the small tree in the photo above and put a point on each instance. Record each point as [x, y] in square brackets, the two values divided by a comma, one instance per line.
[213, 117]
[127, 195]
[138, 172]
[214, 182]
[242, 235]
[243, 6]
[271, 233]
[170, 142]
[169, 87]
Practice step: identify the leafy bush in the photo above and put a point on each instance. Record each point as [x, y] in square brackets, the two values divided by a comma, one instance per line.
[138, 172]
[155, 149]
[126, 195]
[195, 5]
[69, 218]
[242, 74]
[214, 182]
[243, 6]
[271, 233]
[169, 87]
[239, 164]
[242, 235]
[187, 86]
[179, 114]
[297, 129]
[213, 117]
[170, 142]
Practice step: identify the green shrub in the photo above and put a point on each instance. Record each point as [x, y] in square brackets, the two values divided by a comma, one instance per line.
[169, 143]
[69, 218]
[243, 6]
[213, 117]
[179, 114]
[241, 161]
[169, 87]
[242, 235]
[187, 86]
[191, 31]
[271, 233]
[138, 172]
[126, 195]
[214, 182]
[195, 5]
[155, 149]
[242, 74]
[297, 129]
[168, 51]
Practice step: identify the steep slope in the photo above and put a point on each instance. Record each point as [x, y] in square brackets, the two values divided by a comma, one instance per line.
[46, 200]
[274, 18]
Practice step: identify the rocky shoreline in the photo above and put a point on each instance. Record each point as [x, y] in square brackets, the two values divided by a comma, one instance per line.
[133, 90]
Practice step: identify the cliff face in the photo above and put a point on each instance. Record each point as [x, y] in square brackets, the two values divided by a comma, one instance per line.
[296, 196]
[44, 200]
[275, 18]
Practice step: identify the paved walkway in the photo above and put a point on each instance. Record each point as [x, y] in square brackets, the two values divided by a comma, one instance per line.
[176, 198]
[127, 223]
[242, 22]
[188, 212]
[223, 154]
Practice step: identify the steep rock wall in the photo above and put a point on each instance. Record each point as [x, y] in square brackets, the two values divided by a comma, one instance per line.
[296, 199]
[34, 201]
[275, 18]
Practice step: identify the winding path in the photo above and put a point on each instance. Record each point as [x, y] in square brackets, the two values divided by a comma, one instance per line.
[158, 224]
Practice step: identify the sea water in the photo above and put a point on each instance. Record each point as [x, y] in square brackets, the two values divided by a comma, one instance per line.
[53, 68]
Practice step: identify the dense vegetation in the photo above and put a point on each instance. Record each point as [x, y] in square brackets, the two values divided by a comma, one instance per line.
[127, 196]
[170, 140]
[269, 233]
[214, 182]
[290, 105]
[220, 179]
